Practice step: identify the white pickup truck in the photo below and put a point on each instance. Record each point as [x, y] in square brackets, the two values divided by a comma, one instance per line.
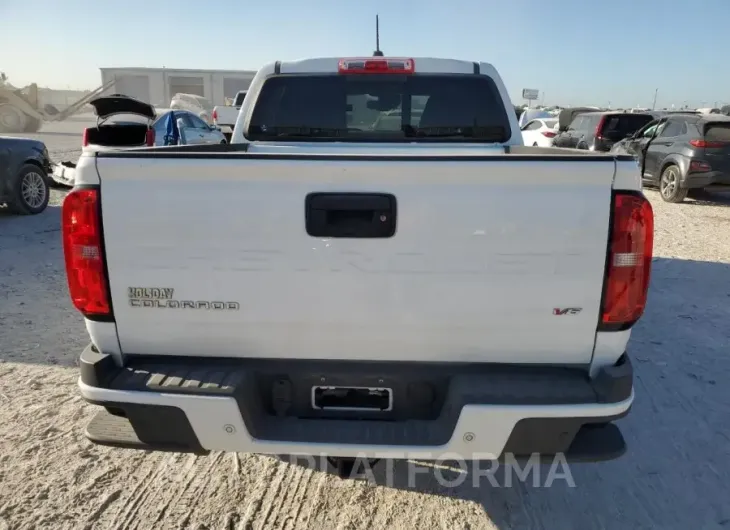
[338, 284]
[225, 116]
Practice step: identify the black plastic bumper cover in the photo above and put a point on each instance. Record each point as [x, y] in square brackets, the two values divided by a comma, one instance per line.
[147, 427]
[165, 428]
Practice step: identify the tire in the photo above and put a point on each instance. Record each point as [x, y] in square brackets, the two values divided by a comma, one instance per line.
[669, 185]
[12, 120]
[31, 191]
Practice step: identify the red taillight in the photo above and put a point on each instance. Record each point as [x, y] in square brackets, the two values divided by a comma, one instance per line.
[629, 260]
[549, 134]
[599, 127]
[705, 144]
[85, 267]
[376, 66]
[85, 138]
[214, 115]
[150, 137]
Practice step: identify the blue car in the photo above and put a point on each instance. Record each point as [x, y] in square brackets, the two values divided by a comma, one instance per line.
[192, 129]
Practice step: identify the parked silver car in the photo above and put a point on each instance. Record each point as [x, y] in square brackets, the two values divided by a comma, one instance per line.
[193, 130]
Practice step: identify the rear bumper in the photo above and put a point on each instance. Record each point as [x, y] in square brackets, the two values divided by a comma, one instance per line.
[719, 180]
[475, 413]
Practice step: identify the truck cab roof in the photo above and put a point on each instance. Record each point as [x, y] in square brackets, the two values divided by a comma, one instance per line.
[467, 101]
[423, 65]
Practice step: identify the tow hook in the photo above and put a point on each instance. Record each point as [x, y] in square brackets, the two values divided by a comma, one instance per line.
[351, 467]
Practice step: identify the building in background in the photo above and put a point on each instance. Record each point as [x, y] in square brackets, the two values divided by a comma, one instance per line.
[158, 85]
[61, 99]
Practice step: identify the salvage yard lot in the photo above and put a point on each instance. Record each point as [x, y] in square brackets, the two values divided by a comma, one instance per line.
[675, 474]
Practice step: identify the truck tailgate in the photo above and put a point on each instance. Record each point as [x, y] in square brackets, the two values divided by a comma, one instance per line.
[493, 259]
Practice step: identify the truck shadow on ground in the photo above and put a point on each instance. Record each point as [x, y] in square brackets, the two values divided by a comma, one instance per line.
[675, 433]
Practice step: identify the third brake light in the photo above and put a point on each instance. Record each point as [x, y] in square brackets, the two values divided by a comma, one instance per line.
[378, 65]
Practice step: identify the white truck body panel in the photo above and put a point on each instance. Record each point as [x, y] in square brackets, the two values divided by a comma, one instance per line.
[473, 273]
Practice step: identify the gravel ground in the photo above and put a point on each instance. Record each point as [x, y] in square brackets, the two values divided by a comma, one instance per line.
[675, 475]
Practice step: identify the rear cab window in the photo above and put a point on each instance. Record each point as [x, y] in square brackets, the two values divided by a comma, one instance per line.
[379, 108]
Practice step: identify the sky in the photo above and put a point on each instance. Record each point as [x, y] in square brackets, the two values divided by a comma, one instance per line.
[575, 52]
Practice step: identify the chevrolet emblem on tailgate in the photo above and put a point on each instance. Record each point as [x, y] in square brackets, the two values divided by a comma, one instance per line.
[162, 297]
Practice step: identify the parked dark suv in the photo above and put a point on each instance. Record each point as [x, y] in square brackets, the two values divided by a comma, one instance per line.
[598, 131]
[683, 152]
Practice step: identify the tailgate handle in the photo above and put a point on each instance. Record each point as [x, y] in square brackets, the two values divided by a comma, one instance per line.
[350, 215]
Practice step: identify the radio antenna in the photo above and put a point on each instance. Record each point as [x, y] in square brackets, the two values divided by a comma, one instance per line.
[377, 52]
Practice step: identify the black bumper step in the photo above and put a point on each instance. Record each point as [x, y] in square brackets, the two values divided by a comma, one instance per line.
[480, 383]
